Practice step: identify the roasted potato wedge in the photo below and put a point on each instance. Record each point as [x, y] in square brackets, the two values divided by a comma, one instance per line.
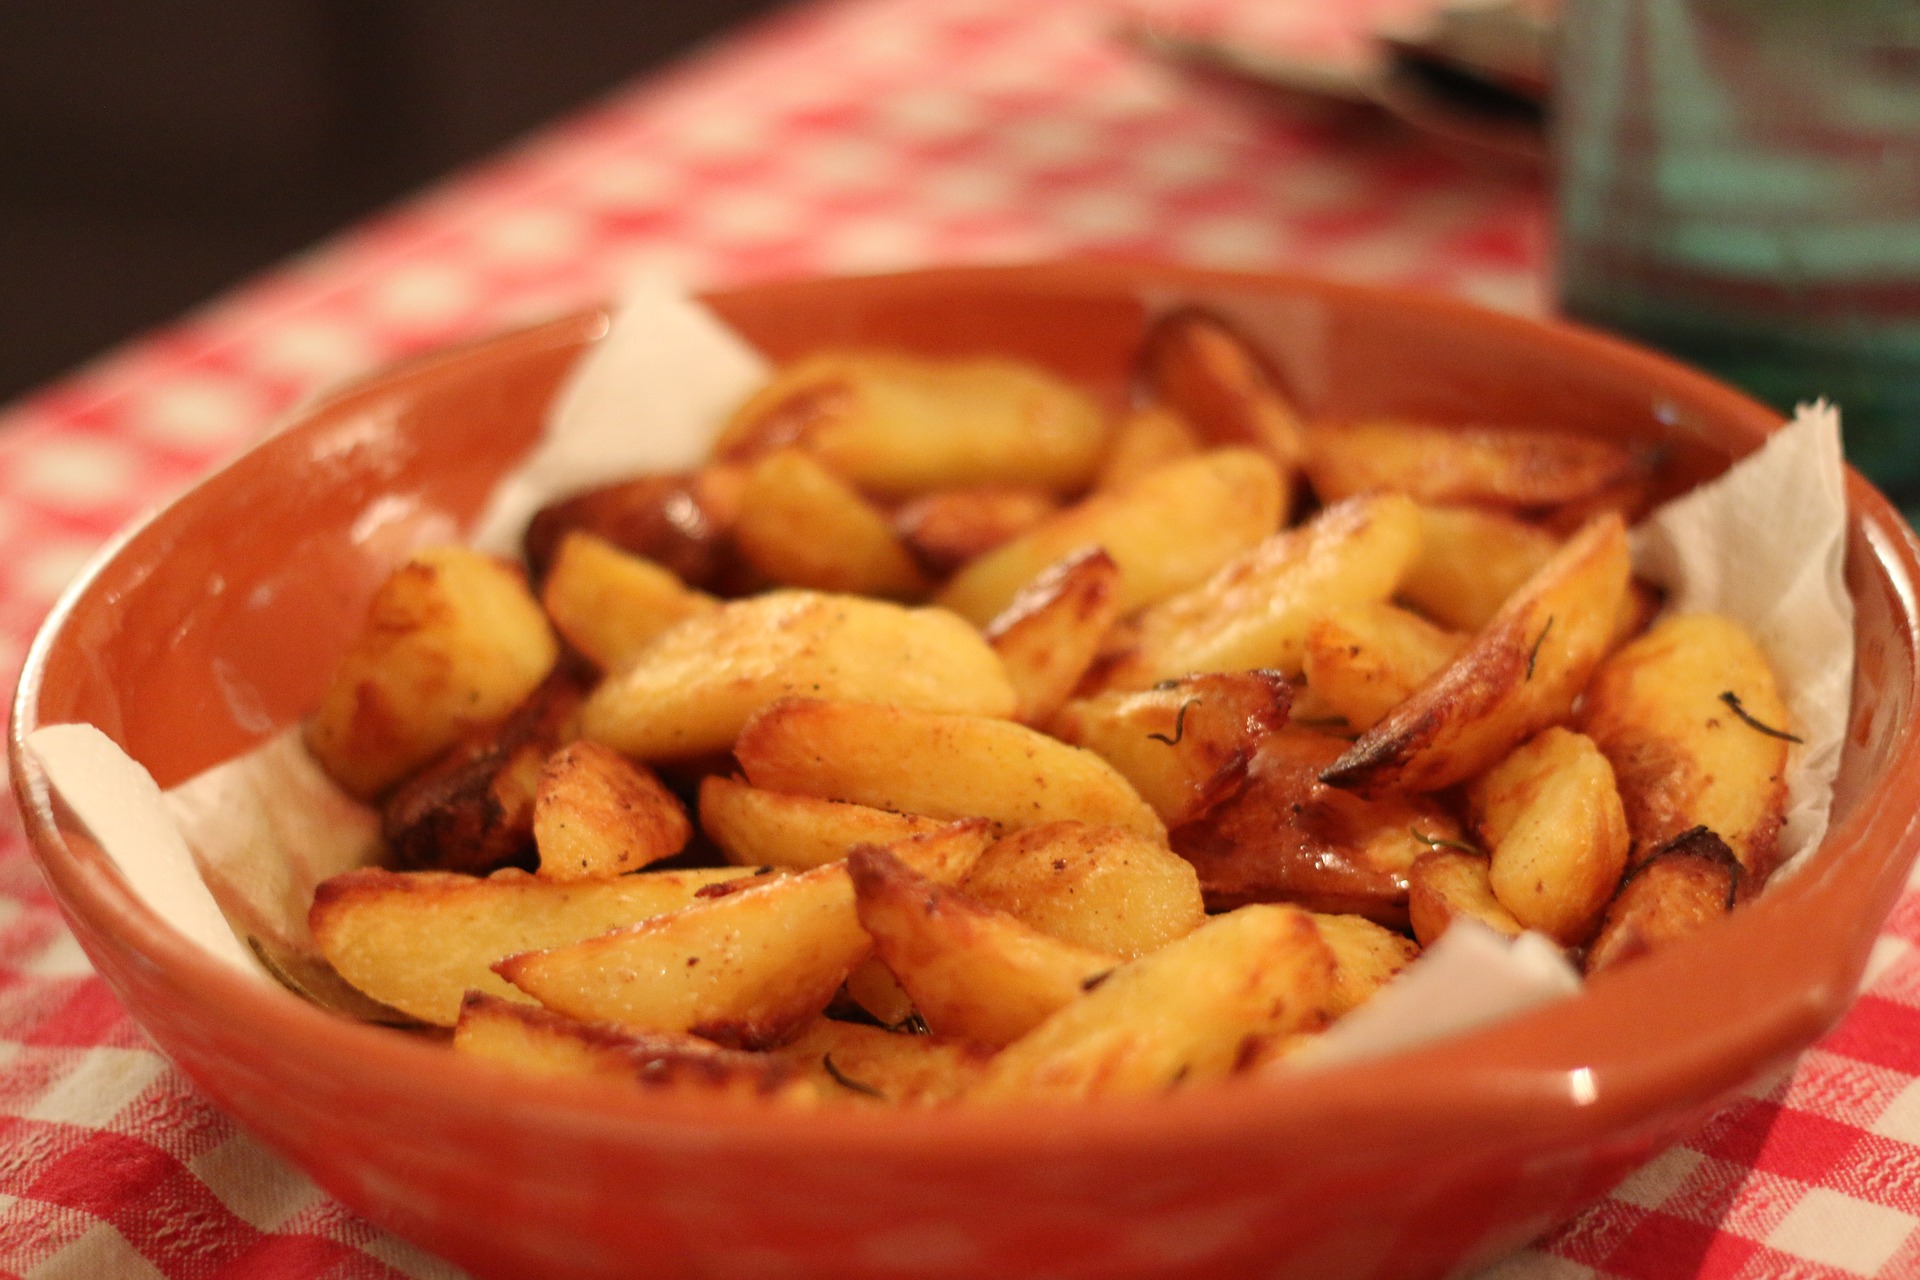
[879, 994]
[944, 530]
[696, 686]
[1167, 531]
[1519, 675]
[1254, 613]
[1449, 884]
[1504, 467]
[1684, 886]
[1183, 744]
[683, 523]
[756, 828]
[609, 604]
[973, 973]
[1049, 635]
[453, 641]
[1696, 730]
[943, 766]
[1213, 377]
[597, 814]
[801, 525]
[1147, 439]
[899, 425]
[1366, 957]
[1185, 1014]
[1362, 660]
[1102, 888]
[844, 1060]
[1470, 561]
[419, 940]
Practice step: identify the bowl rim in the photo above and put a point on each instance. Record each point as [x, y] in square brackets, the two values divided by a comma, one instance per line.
[1502, 1081]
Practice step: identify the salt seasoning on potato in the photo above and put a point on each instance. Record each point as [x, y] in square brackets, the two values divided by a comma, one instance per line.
[1099, 887]
[597, 814]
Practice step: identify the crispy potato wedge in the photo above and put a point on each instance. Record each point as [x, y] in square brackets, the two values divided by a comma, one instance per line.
[898, 425]
[1288, 837]
[1470, 561]
[1366, 957]
[1185, 1014]
[973, 972]
[472, 809]
[419, 940]
[745, 969]
[1551, 818]
[1519, 675]
[1214, 378]
[847, 1061]
[1048, 636]
[944, 530]
[696, 686]
[683, 523]
[879, 994]
[756, 828]
[1362, 660]
[1448, 884]
[1254, 613]
[1506, 467]
[1685, 885]
[1183, 744]
[453, 641]
[531, 1039]
[1691, 719]
[801, 525]
[1630, 497]
[1102, 888]
[1167, 531]
[943, 766]
[609, 604]
[1147, 439]
[597, 814]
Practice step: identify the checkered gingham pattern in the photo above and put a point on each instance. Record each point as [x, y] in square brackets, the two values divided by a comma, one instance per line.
[845, 136]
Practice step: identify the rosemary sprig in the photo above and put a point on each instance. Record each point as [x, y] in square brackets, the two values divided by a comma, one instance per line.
[1179, 726]
[1533, 654]
[1441, 842]
[846, 1081]
[1732, 700]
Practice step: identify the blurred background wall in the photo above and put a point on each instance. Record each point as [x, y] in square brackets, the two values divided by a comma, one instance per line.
[153, 153]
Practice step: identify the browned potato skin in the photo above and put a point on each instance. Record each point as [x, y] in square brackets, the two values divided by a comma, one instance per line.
[1471, 560]
[1363, 660]
[1214, 378]
[1097, 887]
[472, 810]
[802, 526]
[1366, 957]
[973, 972]
[1288, 837]
[1049, 635]
[758, 828]
[1183, 744]
[1682, 755]
[944, 530]
[1450, 884]
[597, 814]
[1684, 886]
[681, 522]
[1505, 467]
[609, 604]
[879, 994]
[910, 1070]
[1519, 675]
[1148, 438]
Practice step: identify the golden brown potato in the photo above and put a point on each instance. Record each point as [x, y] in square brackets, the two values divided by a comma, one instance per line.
[1447, 884]
[1288, 837]
[1507, 467]
[1366, 957]
[1183, 744]
[802, 526]
[1470, 561]
[531, 1039]
[944, 530]
[1048, 636]
[1101, 888]
[1519, 675]
[1215, 379]
[1363, 660]
[680, 522]
[943, 766]
[597, 814]
[1694, 725]
[1147, 439]
[1684, 886]
[1551, 818]
[1190, 1012]
[879, 994]
[693, 689]
[756, 828]
[419, 940]
[472, 809]
[1254, 613]
[1167, 531]
[973, 972]
[452, 642]
[898, 425]
[609, 604]
[846, 1061]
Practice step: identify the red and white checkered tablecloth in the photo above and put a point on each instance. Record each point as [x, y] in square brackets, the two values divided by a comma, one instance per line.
[849, 135]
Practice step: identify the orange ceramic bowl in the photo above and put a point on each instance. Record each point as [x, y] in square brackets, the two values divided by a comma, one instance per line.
[222, 614]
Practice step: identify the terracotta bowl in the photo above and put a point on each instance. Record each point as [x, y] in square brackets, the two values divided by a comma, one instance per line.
[200, 629]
